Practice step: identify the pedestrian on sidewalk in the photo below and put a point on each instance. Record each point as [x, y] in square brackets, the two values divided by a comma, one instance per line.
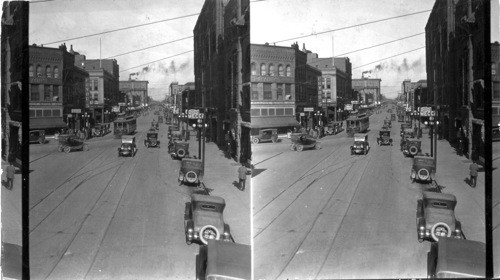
[242, 175]
[11, 170]
[473, 173]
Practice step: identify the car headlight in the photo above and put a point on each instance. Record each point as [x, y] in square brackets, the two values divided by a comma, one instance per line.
[422, 227]
[190, 230]
[181, 176]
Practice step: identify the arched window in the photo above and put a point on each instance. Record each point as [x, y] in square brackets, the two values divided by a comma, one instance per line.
[288, 71]
[96, 97]
[48, 72]
[39, 71]
[262, 69]
[31, 70]
[281, 70]
[271, 69]
[254, 69]
[56, 72]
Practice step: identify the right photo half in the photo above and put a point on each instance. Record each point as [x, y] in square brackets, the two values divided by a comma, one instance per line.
[368, 138]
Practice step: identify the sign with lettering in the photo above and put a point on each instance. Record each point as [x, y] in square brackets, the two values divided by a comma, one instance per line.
[308, 109]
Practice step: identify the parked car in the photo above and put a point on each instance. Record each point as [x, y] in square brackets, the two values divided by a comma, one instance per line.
[436, 217]
[174, 133]
[388, 123]
[360, 145]
[385, 138]
[456, 258]
[68, 143]
[179, 150]
[151, 139]
[37, 136]
[191, 171]
[301, 141]
[393, 117]
[128, 146]
[423, 169]
[335, 127]
[265, 135]
[203, 219]
[224, 260]
[405, 127]
[160, 119]
[412, 147]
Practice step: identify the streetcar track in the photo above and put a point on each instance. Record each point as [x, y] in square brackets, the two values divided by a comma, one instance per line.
[71, 177]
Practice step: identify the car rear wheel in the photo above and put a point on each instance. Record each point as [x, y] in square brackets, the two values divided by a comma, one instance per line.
[209, 232]
[255, 140]
[181, 152]
[440, 230]
[299, 148]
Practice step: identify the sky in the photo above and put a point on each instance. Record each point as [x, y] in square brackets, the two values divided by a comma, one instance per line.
[58, 20]
[276, 20]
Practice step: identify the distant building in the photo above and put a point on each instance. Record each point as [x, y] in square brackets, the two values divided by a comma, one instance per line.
[136, 92]
[367, 90]
[188, 94]
[495, 79]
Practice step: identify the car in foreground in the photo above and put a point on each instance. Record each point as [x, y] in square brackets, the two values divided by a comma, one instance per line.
[385, 137]
[360, 145]
[203, 219]
[456, 258]
[128, 146]
[303, 141]
[191, 171]
[436, 217]
[423, 169]
[224, 261]
[265, 135]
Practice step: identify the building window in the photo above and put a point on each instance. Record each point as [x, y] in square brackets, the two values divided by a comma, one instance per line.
[39, 113]
[48, 72]
[272, 111]
[95, 84]
[328, 83]
[56, 113]
[47, 93]
[271, 69]
[263, 112]
[35, 94]
[268, 95]
[47, 113]
[255, 112]
[288, 92]
[289, 111]
[281, 71]
[32, 113]
[254, 69]
[288, 71]
[96, 97]
[39, 71]
[262, 69]
[56, 72]
[280, 111]
[279, 92]
[31, 71]
[255, 92]
[55, 93]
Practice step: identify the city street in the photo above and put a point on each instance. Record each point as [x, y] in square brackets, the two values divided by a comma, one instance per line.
[328, 214]
[496, 208]
[95, 215]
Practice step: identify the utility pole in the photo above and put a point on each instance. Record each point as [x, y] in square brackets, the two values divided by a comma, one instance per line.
[470, 80]
[239, 92]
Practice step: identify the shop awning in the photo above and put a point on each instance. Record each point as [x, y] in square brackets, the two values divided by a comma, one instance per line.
[274, 122]
[44, 123]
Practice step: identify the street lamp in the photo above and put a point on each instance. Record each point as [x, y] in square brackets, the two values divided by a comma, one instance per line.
[199, 125]
[318, 117]
[431, 123]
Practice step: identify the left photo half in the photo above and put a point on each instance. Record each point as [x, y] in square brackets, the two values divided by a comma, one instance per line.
[139, 139]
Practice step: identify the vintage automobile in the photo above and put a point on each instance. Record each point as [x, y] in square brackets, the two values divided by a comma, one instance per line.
[152, 139]
[401, 118]
[393, 117]
[174, 133]
[412, 147]
[388, 123]
[265, 135]
[68, 143]
[335, 127]
[128, 146]
[101, 130]
[301, 141]
[456, 258]
[360, 145]
[37, 136]
[436, 217]
[423, 169]
[203, 219]
[191, 171]
[179, 150]
[224, 261]
[385, 138]
[403, 127]
[160, 119]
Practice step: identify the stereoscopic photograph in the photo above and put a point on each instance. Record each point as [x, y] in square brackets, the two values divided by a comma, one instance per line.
[250, 139]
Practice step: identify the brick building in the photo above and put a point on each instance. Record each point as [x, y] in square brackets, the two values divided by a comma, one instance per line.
[495, 80]
[367, 90]
[456, 70]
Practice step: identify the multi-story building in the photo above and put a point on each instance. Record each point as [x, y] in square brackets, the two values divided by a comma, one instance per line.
[14, 77]
[209, 62]
[136, 92]
[56, 88]
[456, 70]
[495, 80]
[367, 90]
[188, 93]
[335, 84]
[237, 78]
[102, 87]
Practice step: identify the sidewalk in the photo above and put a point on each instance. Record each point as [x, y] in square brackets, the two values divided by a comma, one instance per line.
[11, 226]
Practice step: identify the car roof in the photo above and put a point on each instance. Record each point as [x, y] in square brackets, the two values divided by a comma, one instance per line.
[207, 198]
[360, 135]
[460, 256]
[229, 259]
[423, 157]
[440, 196]
[191, 160]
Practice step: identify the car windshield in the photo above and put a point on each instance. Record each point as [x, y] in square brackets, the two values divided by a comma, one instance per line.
[151, 135]
[126, 145]
[385, 133]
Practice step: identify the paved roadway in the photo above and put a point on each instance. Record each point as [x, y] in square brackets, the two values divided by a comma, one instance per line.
[327, 214]
[496, 208]
[94, 215]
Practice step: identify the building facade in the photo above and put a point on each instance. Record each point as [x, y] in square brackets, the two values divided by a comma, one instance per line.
[136, 92]
[367, 90]
[495, 84]
[456, 70]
